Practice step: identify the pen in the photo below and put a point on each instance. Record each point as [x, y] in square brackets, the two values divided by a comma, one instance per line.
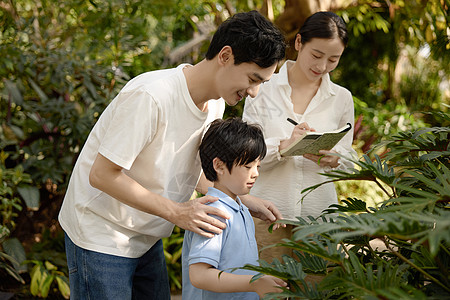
[292, 121]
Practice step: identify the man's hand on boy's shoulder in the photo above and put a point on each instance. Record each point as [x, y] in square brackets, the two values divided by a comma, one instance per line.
[196, 216]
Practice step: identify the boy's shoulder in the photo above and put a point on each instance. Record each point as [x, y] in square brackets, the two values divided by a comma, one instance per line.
[225, 202]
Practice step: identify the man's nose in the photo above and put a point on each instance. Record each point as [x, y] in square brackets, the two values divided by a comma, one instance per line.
[253, 90]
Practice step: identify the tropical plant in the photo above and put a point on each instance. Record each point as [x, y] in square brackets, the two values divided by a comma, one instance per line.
[173, 246]
[399, 249]
[43, 275]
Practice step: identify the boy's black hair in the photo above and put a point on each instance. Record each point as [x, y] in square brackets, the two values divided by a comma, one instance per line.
[325, 25]
[234, 142]
[252, 37]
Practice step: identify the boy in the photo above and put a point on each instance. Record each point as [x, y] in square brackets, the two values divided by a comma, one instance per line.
[133, 178]
[230, 154]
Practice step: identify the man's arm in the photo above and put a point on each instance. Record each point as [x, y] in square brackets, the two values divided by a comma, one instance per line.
[192, 215]
[259, 208]
[206, 277]
[203, 184]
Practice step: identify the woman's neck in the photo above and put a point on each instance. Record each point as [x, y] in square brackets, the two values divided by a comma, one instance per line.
[302, 89]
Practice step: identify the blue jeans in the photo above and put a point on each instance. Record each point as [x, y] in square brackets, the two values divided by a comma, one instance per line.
[98, 276]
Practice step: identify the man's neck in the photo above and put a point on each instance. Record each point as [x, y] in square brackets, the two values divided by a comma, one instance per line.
[200, 80]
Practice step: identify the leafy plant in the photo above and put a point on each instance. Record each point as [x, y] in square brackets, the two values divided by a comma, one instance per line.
[173, 246]
[399, 249]
[43, 275]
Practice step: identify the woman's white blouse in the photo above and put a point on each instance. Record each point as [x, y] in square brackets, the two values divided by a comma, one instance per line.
[282, 179]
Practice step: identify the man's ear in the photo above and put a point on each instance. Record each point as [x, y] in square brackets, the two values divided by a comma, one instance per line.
[225, 55]
[219, 166]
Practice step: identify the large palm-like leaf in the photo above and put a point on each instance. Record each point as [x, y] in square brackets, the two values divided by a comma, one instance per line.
[358, 281]
[413, 225]
[425, 144]
[376, 171]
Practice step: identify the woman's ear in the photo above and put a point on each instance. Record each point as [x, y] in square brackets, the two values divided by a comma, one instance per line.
[219, 166]
[225, 55]
[298, 42]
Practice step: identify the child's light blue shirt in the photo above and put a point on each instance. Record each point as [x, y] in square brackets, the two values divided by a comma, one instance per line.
[234, 247]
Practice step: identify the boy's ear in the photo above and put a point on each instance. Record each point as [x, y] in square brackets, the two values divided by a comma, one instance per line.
[219, 166]
[225, 55]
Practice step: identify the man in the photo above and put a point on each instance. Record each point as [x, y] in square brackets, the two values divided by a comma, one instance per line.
[139, 166]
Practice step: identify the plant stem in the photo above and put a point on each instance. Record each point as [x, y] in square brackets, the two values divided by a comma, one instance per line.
[382, 188]
[399, 255]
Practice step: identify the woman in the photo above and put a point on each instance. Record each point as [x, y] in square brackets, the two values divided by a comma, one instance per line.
[302, 91]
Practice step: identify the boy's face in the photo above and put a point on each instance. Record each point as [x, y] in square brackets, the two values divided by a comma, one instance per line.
[238, 81]
[240, 180]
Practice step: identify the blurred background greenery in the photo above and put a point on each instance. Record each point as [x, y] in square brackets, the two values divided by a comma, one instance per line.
[62, 62]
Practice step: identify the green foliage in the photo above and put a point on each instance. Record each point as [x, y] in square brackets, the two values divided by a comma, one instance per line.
[395, 35]
[61, 62]
[173, 246]
[8, 263]
[397, 250]
[43, 275]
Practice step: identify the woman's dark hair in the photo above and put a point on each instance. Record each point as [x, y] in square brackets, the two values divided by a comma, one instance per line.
[252, 38]
[325, 25]
[234, 142]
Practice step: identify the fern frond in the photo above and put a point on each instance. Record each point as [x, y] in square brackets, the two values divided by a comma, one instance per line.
[368, 171]
[351, 205]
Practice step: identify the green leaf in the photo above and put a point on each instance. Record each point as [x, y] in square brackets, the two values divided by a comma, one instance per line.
[11, 271]
[63, 286]
[49, 266]
[14, 248]
[16, 95]
[38, 90]
[30, 195]
[36, 275]
[46, 284]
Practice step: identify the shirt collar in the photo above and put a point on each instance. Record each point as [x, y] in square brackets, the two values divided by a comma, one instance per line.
[224, 198]
[325, 88]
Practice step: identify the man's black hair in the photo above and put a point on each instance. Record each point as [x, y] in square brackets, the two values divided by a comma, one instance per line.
[252, 37]
[234, 142]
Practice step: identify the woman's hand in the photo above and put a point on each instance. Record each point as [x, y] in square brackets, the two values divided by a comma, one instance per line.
[298, 131]
[324, 160]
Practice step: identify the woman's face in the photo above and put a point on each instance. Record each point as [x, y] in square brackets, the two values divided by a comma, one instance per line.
[318, 56]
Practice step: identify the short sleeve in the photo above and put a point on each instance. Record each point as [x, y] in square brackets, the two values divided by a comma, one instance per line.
[131, 124]
[205, 250]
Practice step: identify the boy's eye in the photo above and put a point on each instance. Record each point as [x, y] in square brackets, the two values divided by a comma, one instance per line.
[315, 56]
